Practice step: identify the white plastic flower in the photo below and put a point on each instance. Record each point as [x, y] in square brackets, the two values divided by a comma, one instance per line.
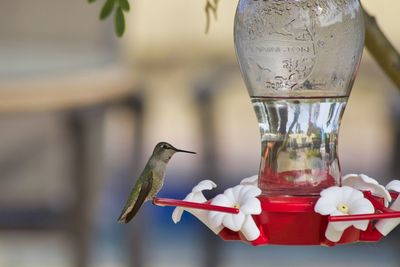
[365, 183]
[252, 180]
[385, 226]
[197, 196]
[394, 186]
[343, 201]
[243, 197]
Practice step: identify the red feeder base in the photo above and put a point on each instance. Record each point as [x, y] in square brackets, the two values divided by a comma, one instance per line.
[293, 221]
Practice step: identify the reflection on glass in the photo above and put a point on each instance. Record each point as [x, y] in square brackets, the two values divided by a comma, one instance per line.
[298, 138]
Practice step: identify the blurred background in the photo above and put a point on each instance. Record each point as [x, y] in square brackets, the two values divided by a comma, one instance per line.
[80, 112]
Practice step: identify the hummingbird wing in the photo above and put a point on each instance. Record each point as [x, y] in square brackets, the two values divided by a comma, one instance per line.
[136, 200]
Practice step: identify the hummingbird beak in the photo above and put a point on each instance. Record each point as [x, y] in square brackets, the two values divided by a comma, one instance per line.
[184, 151]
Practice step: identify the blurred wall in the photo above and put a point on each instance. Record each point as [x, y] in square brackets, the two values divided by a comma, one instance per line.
[52, 36]
[49, 20]
[162, 29]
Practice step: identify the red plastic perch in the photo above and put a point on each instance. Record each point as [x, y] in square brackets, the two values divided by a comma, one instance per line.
[359, 217]
[386, 212]
[193, 205]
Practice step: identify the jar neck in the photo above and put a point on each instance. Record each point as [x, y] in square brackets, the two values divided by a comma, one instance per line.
[299, 144]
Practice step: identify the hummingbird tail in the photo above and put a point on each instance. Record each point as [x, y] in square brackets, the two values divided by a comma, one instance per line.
[121, 219]
[128, 214]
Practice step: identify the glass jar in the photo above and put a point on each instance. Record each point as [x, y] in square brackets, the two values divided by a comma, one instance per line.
[298, 59]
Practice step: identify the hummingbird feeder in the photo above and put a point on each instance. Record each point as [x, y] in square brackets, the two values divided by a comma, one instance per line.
[298, 59]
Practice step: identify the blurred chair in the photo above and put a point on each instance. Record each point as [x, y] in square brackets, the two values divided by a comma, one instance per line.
[59, 72]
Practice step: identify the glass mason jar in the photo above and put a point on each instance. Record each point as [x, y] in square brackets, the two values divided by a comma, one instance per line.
[298, 59]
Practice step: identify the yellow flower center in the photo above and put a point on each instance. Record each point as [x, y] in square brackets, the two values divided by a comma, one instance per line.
[236, 206]
[343, 208]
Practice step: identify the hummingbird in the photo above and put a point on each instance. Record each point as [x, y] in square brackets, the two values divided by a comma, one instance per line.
[150, 180]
